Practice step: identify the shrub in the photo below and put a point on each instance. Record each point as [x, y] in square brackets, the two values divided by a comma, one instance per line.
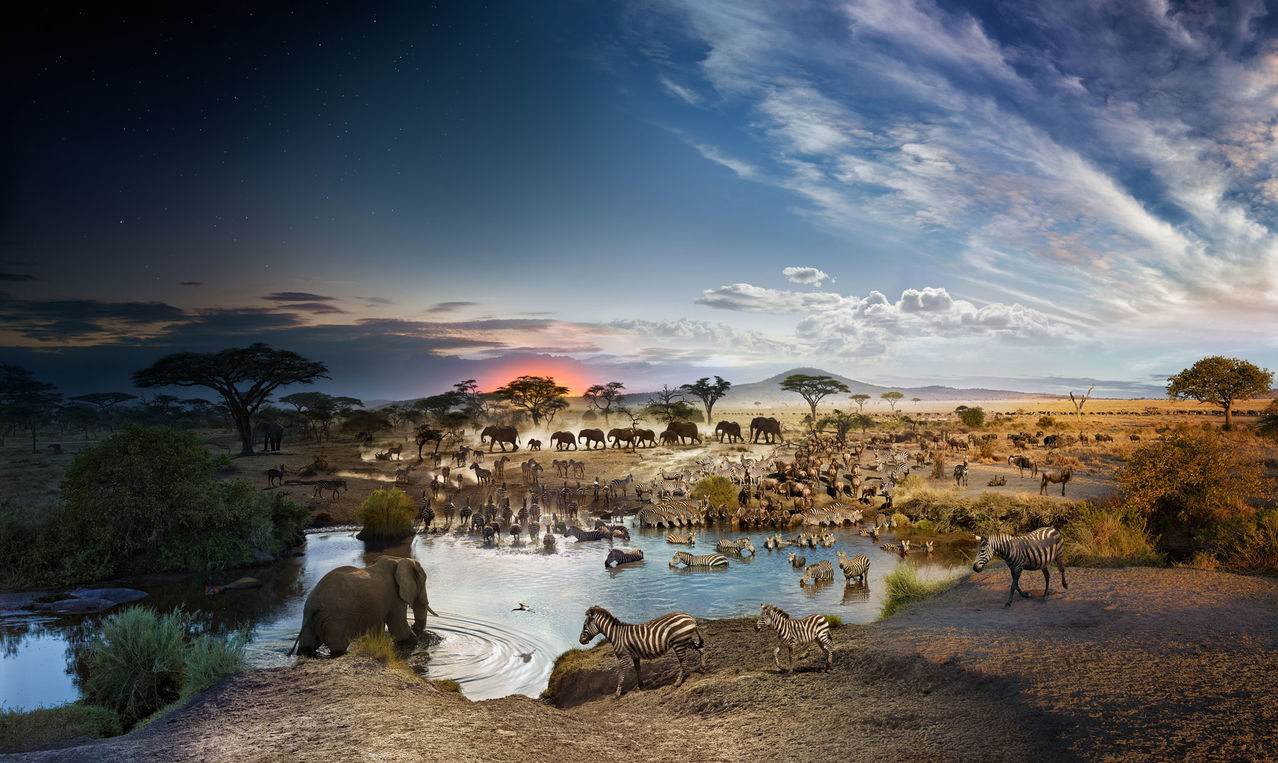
[987, 450]
[144, 500]
[1109, 535]
[905, 587]
[1248, 544]
[834, 620]
[387, 515]
[1046, 422]
[446, 684]
[923, 526]
[142, 661]
[717, 489]
[900, 520]
[135, 664]
[1267, 424]
[46, 727]
[973, 417]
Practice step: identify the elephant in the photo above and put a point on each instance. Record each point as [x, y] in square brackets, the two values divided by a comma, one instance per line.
[618, 436]
[350, 601]
[561, 440]
[646, 437]
[684, 429]
[730, 428]
[767, 426]
[271, 433]
[500, 436]
[588, 437]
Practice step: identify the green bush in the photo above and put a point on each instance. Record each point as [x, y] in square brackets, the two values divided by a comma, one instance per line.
[717, 489]
[973, 417]
[143, 501]
[924, 526]
[1109, 536]
[1046, 422]
[44, 728]
[905, 587]
[950, 511]
[1248, 544]
[834, 620]
[387, 515]
[141, 661]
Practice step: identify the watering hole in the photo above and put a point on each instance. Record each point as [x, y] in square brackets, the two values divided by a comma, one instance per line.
[490, 650]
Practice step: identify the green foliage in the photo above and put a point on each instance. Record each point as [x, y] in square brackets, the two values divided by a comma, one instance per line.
[141, 661]
[678, 410]
[540, 396]
[378, 646]
[707, 392]
[716, 489]
[973, 417]
[860, 399]
[923, 526]
[25, 402]
[387, 515]
[950, 511]
[144, 500]
[905, 587]
[834, 620]
[892, 397]
[44, 728]
[900, 521]
[1193, 477]
[1046, 422]
[1267, 424]
[1111, 535]
[812, 388]
[1220, 381]
[1247, 544]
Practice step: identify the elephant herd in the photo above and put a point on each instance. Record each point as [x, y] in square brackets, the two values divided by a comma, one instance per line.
[676, 433]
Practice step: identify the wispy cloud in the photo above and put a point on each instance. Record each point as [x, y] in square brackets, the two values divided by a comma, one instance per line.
[297, 296]
[448, 307]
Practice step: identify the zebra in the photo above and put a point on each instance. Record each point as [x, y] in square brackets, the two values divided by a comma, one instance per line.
[617, 556]
[1036, 551]
[792, 633]
[708, 561]
[648, 640]
[960, 474]
[856, 567]
[892, 547]
[827, 539]
[797, 561]
[735, 546]
[690, 539]
[822, 570]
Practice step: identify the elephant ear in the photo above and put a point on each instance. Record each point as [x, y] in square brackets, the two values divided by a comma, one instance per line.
[406, 572]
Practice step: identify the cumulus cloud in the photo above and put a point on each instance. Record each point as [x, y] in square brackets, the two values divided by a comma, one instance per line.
[806, 275]
[744, 297]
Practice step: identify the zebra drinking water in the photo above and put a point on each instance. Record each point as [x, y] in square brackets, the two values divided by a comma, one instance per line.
[648, 640]
[689, 539]
[735, 546]
[820, 571]
[792, 633]
[617, 556]
[704, 561]
[1036, 551]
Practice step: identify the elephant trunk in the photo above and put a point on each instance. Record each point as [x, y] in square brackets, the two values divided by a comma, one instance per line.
[420, 609]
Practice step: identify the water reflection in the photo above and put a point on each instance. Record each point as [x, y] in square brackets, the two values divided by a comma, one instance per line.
[484, 645]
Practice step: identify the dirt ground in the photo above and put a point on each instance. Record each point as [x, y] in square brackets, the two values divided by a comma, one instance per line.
[1131, 664]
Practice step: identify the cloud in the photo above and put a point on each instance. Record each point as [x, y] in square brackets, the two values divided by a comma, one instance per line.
[190, 283]
[297, 296]
[744, 297]
[80, 319]
[804, 275]
[447, 307]
[682, 93]
[17, 277]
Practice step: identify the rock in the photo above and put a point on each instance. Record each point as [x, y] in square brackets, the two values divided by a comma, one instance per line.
[78, 606]
[116, 595]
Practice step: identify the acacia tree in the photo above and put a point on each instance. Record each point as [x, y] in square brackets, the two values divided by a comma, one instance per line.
[319, 410]
[668, 405]
[892, 397]
[245, 377]
[602, 397]
[708, 393]
[25, 401]
[539, 395]
[1220, 381]
[812, 388]
[860, 399]
[840, 422]
[105, 401]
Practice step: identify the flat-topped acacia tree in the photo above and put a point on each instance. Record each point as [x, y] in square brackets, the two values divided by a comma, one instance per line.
[245, 377]
[1220, 381]
[812, 388]
[539, 395]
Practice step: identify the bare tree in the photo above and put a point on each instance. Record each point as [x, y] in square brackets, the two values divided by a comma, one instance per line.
[1078, 404]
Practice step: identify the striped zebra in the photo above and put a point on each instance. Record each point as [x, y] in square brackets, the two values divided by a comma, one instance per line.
[617, 556]
[857, 567]
[707, 561]
[648, 640]
[689, 539]
[1036, 551]
[822, 570]
[792, 633]
[735, 546]
[797, 561]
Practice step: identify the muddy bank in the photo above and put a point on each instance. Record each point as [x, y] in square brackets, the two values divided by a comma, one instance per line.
[1133, 664]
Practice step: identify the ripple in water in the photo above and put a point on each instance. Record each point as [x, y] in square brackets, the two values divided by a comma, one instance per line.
[487, 659]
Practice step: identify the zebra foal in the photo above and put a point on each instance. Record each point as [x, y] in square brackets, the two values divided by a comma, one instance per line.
[1036, 551]
[647, 640]
[792, 633]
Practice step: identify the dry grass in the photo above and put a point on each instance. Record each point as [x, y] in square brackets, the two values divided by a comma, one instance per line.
[378, 646]
[952, 511]
[905, 587]
[45, 727]
[1109, 536]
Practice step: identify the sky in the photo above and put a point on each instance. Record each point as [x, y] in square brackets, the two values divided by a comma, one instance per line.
[1018, 195]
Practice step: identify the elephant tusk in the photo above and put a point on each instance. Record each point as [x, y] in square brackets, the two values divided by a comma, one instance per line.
[433, 612]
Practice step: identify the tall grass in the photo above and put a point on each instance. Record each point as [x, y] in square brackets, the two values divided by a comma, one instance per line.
[905, 587]
[1109, 535]
[25, 731]
[387, 515]
[377, 645]
[142, 661]
[951, 511]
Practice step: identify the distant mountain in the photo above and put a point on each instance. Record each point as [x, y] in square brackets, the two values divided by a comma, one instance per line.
[769, 391]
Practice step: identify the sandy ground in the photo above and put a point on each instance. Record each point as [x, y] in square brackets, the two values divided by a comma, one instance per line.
[1133, 664]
